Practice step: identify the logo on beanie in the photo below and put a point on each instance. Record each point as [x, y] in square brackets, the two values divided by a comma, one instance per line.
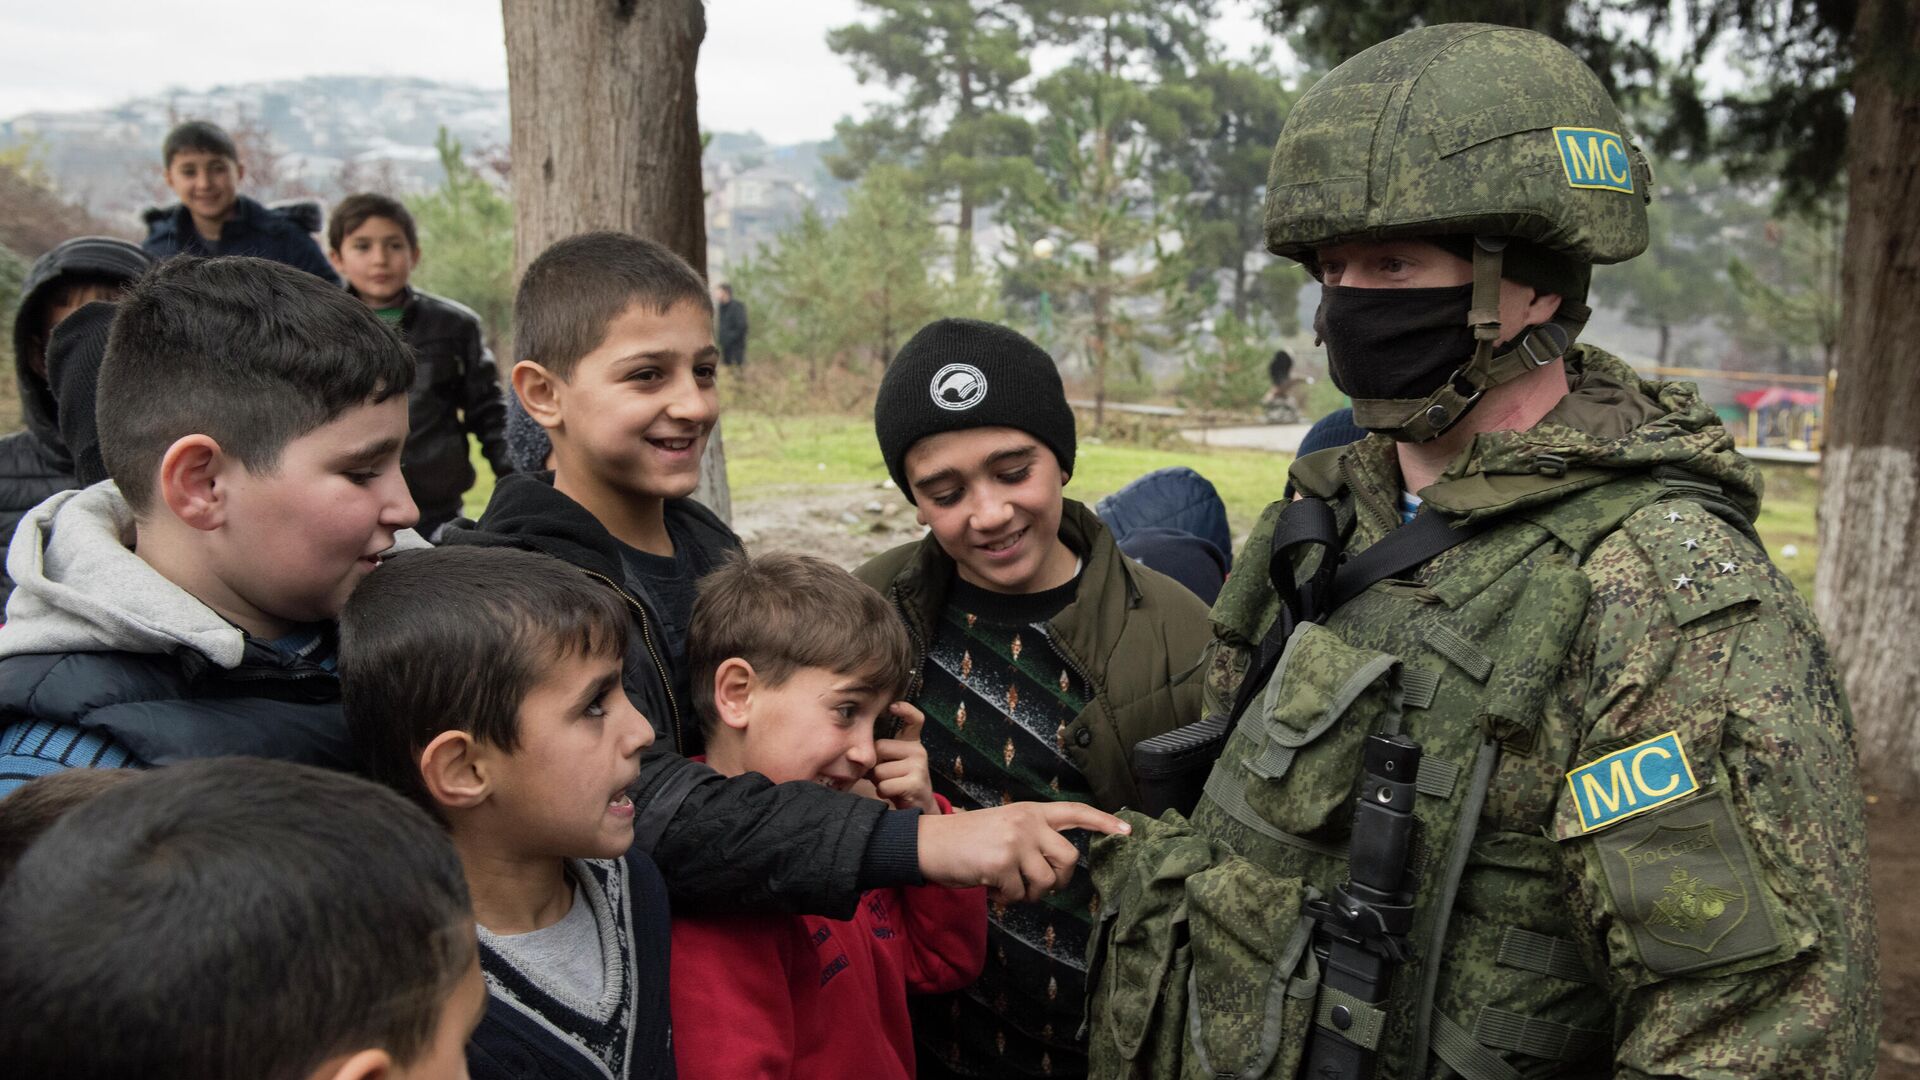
[957, 387]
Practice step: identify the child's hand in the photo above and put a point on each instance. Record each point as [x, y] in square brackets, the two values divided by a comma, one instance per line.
[900, 764]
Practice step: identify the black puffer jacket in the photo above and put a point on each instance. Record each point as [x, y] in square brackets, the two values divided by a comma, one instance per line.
[723, 844]
[170, 707]
[456, 391]
[34, 462]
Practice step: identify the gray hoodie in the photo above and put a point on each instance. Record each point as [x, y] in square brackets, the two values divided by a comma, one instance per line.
[78, 587]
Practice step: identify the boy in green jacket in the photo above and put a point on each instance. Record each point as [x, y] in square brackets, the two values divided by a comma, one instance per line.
[1043, 656]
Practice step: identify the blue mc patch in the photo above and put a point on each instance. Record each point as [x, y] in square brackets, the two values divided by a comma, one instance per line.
[1595, 158]
[1631, 781]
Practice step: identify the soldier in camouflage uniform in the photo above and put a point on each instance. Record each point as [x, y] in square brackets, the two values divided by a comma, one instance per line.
[1640, 847]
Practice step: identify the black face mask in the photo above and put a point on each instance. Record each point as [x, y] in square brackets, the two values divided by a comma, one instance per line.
[1394, 344]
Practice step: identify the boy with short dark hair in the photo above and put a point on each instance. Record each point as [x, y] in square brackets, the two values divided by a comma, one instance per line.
[238, 920]
[252, 420]
[617, 363]
[1044, 656]
[372, 242]
[203, 168]
[36, 462]
[485, 684]
[794, 662]
[37, 804]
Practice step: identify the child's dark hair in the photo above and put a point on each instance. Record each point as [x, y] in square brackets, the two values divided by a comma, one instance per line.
[250, 352]
[782, 612]
[354, 210]
[579, 285]
[229, 918]
[35, 805]
[208, 138]
[453, 639]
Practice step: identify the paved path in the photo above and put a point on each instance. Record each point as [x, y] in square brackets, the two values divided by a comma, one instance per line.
[1279, 438]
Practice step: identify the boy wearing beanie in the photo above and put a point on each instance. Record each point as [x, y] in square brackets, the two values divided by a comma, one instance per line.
[1042, 656]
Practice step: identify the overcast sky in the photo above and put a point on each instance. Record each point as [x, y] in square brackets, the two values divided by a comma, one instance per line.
[765, 65]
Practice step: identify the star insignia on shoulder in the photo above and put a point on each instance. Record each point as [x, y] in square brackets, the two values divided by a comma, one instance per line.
[1726, 568]
[1681, 582]
[1673, 515]
[1690, 543]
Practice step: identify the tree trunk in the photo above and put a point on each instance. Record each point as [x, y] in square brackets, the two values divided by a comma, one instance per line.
[963, 233]
[1666, 338]
[606, 135]
[1866, 591]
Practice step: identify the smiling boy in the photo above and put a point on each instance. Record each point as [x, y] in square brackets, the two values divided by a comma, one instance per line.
[1042, 656]
[794, 661]
[617, 364]
[202, 167]
[484, 683]
[372, 241]
[187, 609]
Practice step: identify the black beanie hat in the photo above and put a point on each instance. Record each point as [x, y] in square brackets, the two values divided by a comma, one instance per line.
[73, 371]
[957, 374]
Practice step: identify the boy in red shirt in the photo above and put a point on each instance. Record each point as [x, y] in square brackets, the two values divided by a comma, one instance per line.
[793, 662]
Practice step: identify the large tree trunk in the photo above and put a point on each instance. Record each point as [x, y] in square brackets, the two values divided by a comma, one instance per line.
[1867, 591]
[606, 135]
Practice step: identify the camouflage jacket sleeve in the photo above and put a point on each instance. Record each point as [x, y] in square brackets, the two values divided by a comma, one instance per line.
[1712, 823]
[1240, 617]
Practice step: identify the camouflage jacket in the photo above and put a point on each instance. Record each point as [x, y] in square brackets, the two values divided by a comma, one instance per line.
[1640, 845]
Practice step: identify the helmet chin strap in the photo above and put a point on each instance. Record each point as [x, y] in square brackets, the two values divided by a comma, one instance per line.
[1424, 419]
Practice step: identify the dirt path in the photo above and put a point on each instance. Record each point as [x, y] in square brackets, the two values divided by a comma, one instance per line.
[845, 524]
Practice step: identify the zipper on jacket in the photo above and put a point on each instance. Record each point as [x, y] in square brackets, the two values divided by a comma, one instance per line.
[646, 638]
[913, 637]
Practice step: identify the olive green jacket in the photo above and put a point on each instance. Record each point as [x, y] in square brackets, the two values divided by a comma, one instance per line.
[1133, 633]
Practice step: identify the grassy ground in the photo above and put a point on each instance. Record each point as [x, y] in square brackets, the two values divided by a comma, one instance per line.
[768, 454]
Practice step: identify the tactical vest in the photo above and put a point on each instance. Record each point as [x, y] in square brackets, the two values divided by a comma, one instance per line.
[1201, 964]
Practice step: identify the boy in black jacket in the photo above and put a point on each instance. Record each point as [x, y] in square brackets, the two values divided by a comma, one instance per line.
[203, 168]
[372, 242]
[484, 684]
[36, 462]
[617, 362]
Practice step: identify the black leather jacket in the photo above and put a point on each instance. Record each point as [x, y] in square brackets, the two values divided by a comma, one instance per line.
[457, 391]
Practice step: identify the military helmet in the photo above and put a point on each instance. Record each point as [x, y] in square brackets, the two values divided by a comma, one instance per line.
[1465, 129]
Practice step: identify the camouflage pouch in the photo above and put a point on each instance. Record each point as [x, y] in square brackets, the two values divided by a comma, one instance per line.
[1324, 697]
[1250, 996]
[1139, 956]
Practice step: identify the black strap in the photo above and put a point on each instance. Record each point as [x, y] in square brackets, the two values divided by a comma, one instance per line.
[1413, 544]
[1333, 583]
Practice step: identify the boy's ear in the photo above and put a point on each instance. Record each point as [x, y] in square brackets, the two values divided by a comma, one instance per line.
[733, 692]
[191, 486]
[334, 260]
[365, 1065]
[453, 772]
[539, 391]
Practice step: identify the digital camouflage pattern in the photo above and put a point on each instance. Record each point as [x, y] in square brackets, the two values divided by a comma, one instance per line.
[1617, 600]
[1452, 129]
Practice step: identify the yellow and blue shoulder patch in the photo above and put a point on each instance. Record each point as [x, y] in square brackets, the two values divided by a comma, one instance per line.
[1594, 158]
[1632, 780]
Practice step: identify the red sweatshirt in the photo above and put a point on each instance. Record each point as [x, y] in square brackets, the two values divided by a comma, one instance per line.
[799, 996]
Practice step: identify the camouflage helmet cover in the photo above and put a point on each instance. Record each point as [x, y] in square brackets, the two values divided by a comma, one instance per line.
[1461, 128]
